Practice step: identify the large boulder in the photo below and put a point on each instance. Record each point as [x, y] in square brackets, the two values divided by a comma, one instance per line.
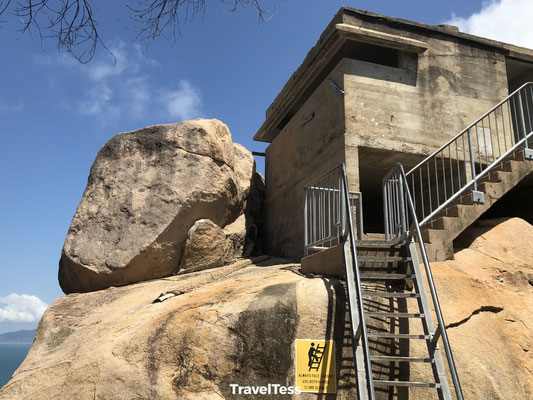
[146, 189]
[486, 296]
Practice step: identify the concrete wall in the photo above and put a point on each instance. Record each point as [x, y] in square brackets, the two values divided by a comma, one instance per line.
[405, 112]
[298, 154]
[410, 110]
[417, 108]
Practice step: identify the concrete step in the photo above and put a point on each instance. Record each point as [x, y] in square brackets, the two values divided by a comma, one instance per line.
[494, 190]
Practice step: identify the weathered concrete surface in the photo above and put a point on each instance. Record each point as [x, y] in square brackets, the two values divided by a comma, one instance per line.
[307, 150]
[327, 262]
[234, 324]
[486, 295]
[145, 191]
[401, 105]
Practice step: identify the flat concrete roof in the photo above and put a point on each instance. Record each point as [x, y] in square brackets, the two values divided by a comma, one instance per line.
[337, 32]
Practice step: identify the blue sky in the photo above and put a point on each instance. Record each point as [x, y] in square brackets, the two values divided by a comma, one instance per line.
[55, 113]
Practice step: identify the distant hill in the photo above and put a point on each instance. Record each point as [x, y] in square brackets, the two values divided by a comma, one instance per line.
[22, 336]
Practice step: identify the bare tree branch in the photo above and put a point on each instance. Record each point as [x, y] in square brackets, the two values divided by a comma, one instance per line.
[73, 24]
[70, 22]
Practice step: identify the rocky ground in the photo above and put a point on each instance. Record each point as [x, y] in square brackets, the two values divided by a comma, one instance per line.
[487, 301]
[238, 323]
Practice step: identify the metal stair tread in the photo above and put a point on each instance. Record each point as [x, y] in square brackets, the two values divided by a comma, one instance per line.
[429, 385]
[394, 315]
[380, 243]
[362, 258]
[397, 335]
[390, 294]
[382, 276]
[400, 358]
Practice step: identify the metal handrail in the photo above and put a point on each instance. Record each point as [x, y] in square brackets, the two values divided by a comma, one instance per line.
[360, 305]
[459, 164]
[397, 188]
[324, 221]
[473, 182]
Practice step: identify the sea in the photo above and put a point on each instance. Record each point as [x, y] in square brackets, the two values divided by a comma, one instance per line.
[11, 356]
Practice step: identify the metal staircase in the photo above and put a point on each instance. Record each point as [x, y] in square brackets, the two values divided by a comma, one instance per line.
[381, 278]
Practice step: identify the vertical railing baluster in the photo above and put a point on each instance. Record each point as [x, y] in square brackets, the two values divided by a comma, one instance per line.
[528, 116]
[421, 193]
[512, 125]
[413, 189]
[522, 117]
[497, 134]
[503, 127]
[444, 176]
[464, 160]
[485, 142]
[472, 164]
[436, 180]
[451, 166]
[429, 189]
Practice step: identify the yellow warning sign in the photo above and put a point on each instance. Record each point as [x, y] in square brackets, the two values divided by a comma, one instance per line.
[315, 366]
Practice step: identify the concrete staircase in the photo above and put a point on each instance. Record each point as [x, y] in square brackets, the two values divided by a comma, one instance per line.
[440, 232]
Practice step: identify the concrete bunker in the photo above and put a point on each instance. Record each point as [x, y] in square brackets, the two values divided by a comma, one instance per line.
[373, 91]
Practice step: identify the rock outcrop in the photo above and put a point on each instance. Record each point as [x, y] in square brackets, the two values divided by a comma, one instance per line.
[486, 295]
[238, 323]
[146, 189]
[230, 325]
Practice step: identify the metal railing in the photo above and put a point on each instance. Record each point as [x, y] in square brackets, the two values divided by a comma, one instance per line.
[401, 218]
[456, 167]
[324, 214]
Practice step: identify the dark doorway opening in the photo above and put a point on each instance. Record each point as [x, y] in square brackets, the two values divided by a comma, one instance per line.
[374, 164]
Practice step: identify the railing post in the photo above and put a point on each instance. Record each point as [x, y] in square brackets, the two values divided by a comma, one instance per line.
[401, 204]
[385, 209]
[472, 165]
[522, 118]
[360, 232]
[342, 209]
[306, 252]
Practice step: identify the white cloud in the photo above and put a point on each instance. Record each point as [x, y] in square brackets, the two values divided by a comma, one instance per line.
[183, 103]
[139, 93]
[96, 100]
[108, 66]
[122, 87]
[504, 20]
[10, 108]
[21, 308]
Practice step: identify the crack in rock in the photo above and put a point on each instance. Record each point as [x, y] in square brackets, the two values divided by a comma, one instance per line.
[491, 309]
